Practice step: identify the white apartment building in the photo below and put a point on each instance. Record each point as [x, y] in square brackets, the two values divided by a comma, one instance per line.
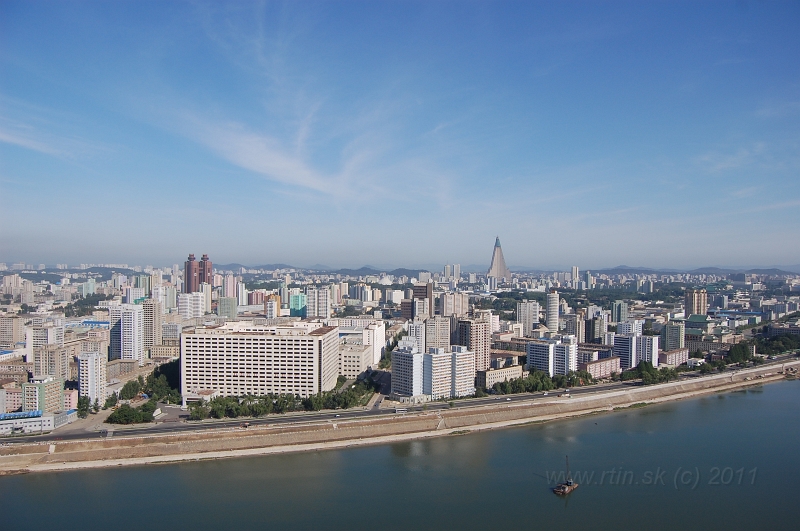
[528, 316]
[566, 355]
[416, 333]
[318, 302]
[191, 305]
[92, 376]
[127, 332]
[463, 372]
[407, 372]
[647, 349]
[454, 303]
[240, 358]
[437, 374]
[558, 355]
[41, 335]
[552, 311]
[631, 327]
[272, 308]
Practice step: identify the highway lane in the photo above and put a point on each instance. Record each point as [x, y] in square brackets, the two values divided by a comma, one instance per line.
[331, 416]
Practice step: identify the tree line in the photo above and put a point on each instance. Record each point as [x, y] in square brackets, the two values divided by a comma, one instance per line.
[257, 406]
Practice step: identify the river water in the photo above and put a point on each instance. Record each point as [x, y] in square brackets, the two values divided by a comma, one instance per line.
[727, 461]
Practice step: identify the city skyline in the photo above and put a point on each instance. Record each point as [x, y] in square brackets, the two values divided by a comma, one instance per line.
[652, 135]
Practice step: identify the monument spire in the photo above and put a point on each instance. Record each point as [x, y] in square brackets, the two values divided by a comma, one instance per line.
[498, 268]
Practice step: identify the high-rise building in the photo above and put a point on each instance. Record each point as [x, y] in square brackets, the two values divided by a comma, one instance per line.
[596, 329]
[12, 331]
[191, 275]
[647, 349]
[476, 335]
[298, 305]
[407, 371]
[152, 315]
[552, 311]
[528, 316]
[51, 360]
[619, 311]
[575, 277]
[696, 302]
[192, 305]
[454, 303]
[673, 335]
[632, 327]
[229, 286]
[272, 306]
[227, 307]
[205, 271]
[498, 268]
[558, 355]
[565, 355]
[301, 359]
[437, 332]
[424, 291]
[92, 376]
[127, 332]
[625, 350]
[416, 334]
[318, 301]
[575, 325]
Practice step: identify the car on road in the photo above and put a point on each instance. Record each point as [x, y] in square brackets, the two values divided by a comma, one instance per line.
[508, 399]
[566, 390]
[337, 415]
[544, 394]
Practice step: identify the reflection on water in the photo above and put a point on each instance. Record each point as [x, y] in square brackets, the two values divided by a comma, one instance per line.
[493, 479]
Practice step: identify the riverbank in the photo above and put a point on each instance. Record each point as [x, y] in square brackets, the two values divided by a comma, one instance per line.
[322, 435]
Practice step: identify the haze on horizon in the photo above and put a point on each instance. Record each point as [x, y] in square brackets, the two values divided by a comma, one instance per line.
[400, 133]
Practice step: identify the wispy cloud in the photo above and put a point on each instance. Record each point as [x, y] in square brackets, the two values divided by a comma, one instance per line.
[42, 130]
[716, 161]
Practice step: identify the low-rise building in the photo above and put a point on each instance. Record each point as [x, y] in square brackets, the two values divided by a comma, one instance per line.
[354, 358]
[602, 368]
[13, 399]
[43, 394]
[489, 377]
[674, 357]
[71, 399]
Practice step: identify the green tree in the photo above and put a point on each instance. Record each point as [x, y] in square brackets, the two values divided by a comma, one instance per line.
[111, 401]
[130, 390]
[96, 405]
[83, 406]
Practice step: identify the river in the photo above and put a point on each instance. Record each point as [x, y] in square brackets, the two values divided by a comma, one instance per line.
[725, 461]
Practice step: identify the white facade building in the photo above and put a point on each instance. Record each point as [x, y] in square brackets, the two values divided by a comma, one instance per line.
[318, 302]
[528, 316]
[631, 327]
[92, 376]
[192, 305]
[240, 358]
[127, 332]
[647, 349]
[552, 311]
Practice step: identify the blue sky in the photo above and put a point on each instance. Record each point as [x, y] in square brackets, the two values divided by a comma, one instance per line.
[406, 134]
